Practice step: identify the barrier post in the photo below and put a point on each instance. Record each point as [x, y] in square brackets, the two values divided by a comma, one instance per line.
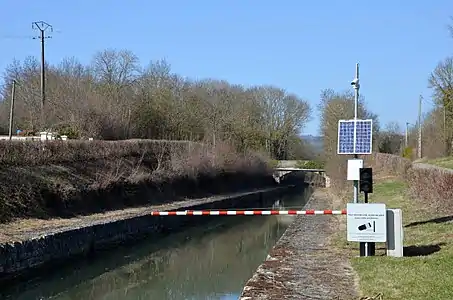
[394, 233]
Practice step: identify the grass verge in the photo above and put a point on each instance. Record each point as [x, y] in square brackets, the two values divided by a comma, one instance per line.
[425, 272]
[444, 162]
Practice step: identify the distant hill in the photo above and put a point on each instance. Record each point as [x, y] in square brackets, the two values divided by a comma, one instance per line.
[315, 141]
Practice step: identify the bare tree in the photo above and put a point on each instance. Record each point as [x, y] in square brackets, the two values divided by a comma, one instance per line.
[433, 138]
[391, 140]
[441, 82]
[114, 98]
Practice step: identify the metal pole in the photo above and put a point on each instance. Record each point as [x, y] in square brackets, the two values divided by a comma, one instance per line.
[356, 94]
[43, 74]
[11, 112]
[368, 248]
[356, 105]
[42, 27]
[363, 247]
[420, 127]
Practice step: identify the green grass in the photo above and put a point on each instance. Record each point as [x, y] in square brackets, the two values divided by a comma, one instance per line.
[445, 162]
[410, 277]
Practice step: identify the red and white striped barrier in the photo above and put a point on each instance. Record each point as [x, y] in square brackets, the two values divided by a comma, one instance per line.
[247, 212]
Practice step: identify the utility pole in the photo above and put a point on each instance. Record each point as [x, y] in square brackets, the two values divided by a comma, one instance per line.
[407, 133]
[11, 112]
[42, 27]
[420, 127]
[445, 131]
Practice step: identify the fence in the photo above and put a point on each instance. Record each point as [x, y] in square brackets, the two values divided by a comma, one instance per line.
[43, 136]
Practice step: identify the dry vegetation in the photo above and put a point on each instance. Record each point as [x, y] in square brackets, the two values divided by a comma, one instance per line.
[62, 179]
[431, 187]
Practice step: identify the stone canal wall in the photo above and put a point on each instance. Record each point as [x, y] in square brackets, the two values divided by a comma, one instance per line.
[304, 263]
[53, 245]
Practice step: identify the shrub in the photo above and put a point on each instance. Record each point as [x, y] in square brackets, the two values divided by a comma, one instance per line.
[310, 164]
[387, 164]
[314, 164]
[408, 152]
[69, 131]
[273, 163]
[432, 186]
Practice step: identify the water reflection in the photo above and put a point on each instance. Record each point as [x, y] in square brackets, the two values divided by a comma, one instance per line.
[213, 262]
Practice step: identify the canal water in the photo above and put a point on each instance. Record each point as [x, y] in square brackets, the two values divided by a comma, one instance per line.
[213, 261]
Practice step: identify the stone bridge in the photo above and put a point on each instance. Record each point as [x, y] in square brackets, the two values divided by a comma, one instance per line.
[314, 175]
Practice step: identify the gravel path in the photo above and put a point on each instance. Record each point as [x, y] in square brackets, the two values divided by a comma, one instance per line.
[429, 166]
[303, 265]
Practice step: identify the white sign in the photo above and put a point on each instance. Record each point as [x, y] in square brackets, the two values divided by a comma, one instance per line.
[354, 166]
[366, 222]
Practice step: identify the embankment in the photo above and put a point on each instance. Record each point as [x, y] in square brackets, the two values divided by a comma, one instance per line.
[61, 179]
[304, 264]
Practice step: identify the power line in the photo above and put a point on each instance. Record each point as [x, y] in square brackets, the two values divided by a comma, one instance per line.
[42, 27]
[430, 102]
[23, 37]
[16, 37]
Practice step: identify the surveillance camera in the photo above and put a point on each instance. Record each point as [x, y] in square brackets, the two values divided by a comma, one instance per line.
[355, 81]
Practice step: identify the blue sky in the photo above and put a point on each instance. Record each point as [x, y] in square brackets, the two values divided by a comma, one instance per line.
[302, 46]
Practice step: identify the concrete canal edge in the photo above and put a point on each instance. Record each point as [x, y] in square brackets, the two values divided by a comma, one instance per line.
[303, 265]
[60, 245]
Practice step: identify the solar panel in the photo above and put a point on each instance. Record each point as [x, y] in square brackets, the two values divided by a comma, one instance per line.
[355, 136]
[363, 136]
[346, 137]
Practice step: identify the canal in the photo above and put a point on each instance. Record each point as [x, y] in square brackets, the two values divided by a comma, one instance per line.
[212, 261]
